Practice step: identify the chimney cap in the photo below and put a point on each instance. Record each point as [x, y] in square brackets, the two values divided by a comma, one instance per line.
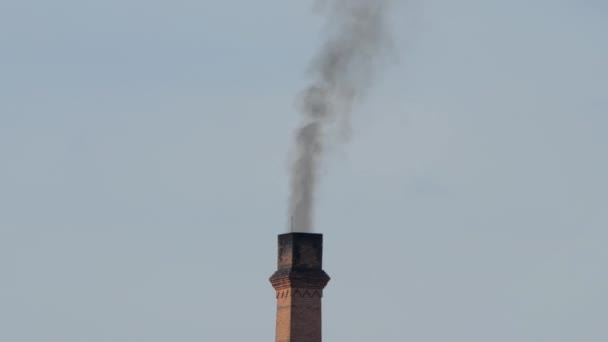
[300, 250]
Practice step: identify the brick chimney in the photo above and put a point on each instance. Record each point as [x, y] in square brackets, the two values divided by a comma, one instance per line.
[299, 282]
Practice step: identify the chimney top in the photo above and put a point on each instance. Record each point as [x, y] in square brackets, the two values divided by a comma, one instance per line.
[300, 250]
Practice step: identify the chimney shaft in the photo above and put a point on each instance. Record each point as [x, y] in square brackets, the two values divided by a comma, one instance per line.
[299, 282]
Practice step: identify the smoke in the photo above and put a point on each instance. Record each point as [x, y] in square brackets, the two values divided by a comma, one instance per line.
[356, 43]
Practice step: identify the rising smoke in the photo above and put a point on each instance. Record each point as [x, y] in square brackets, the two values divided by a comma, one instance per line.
[343, 70]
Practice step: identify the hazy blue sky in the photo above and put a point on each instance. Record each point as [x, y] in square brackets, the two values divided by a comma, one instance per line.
[144, 154]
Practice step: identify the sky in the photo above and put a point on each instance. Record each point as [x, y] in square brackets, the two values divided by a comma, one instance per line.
[144, 156]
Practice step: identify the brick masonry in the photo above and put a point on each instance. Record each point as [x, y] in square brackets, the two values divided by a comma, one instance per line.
[299, 283]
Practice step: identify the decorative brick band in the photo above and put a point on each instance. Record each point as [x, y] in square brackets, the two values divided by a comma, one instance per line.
[299, 279]
[300, 293]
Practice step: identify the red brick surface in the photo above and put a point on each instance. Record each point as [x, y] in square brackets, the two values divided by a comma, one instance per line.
[298, 315]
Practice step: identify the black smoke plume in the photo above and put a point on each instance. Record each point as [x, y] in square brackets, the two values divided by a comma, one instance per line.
[357, 39]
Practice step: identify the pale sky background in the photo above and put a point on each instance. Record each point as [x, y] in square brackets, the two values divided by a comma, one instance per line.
[144, 155]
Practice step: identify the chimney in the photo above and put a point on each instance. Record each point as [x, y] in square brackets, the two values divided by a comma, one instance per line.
[299, 282]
